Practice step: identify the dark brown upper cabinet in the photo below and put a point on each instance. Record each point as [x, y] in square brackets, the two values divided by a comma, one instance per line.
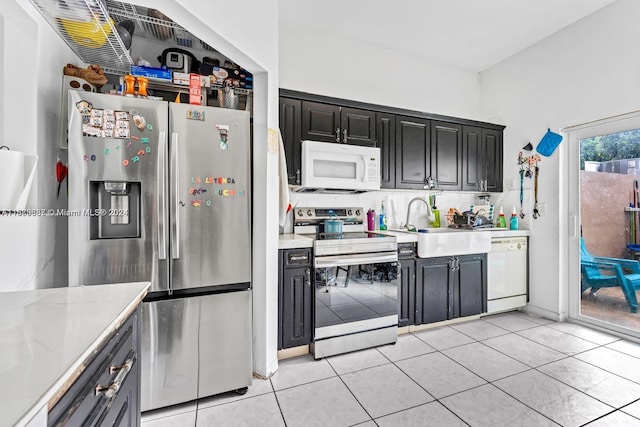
[358, 126]
[482, 153]
[413, 152]
[386, 133]
[291, 130]
[332, 123]
[416, 149]
[446, 153]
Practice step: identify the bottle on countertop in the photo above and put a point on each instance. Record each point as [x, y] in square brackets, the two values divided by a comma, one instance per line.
[383, 218]
[371, 220]
[436, 215]
[502, 220]
[513, 222]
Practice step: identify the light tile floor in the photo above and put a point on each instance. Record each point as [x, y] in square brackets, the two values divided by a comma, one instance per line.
[502, 370]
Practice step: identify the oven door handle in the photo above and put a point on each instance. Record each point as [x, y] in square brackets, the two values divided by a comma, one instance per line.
[354, 259]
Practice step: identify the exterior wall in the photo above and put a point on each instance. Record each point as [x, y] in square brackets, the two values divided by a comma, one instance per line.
[605, 224]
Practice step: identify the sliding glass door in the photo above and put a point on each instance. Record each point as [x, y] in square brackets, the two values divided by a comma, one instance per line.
[603, 169]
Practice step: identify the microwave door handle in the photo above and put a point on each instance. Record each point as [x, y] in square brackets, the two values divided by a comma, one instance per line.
[364, 169]
[162, 207]
[175, 189]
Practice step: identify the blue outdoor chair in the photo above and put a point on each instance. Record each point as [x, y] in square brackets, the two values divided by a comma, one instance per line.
[601, 272]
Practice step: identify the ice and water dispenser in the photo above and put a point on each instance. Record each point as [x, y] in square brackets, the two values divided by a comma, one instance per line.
[114, 209]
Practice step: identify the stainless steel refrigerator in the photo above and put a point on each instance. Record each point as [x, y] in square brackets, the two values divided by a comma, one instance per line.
[160, 192]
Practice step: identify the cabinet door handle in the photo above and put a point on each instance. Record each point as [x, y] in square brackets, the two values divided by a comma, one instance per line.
[307, 273]
[457, 263]
[452, 264]
[112, 389]
[126, 365]
[298, 176]
[338, 135]
[344, 135]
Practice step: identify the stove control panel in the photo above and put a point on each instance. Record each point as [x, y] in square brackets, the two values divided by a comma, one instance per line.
[310, 216]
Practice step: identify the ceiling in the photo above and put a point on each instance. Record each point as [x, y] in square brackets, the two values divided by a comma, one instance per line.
[468, 34]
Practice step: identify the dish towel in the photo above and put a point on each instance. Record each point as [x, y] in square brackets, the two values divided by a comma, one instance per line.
[284, 206]
[548, 143]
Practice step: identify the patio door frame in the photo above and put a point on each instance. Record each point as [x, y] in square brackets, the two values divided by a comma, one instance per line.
[573, 135]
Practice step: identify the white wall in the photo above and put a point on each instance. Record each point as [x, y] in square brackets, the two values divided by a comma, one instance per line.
[317, 62]
[32, 249]
[587, 71]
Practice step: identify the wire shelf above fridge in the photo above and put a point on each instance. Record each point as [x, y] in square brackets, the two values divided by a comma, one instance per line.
[90, 29]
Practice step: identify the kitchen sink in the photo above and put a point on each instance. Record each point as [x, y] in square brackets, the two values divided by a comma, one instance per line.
[450, 241]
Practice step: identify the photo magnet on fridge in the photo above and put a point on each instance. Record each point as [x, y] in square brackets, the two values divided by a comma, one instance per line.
[224, 136]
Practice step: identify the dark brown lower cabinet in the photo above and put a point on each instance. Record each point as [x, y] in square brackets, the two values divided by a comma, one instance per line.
[407, 288]
[295, 298]
[450, 287]
[107, 392]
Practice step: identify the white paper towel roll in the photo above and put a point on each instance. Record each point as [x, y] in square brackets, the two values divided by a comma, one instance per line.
[14, 185]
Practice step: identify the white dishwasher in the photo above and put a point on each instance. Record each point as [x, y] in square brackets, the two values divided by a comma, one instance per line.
[507, 273]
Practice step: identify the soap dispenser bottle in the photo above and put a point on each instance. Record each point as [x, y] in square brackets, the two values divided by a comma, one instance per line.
[502, 220]
[383, 218]
[513, 222]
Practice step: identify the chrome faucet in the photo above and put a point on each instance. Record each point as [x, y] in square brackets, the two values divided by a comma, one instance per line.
[430, 218]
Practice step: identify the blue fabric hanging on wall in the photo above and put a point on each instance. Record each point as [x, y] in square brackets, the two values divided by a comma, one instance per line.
[549, 143]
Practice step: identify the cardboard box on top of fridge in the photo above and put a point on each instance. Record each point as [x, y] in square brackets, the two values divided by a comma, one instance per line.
[184, 79]
[219, 75]
[181, 78]
[151, 72]
[195, 95]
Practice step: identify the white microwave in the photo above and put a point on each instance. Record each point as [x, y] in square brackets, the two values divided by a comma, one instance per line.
[332, 167]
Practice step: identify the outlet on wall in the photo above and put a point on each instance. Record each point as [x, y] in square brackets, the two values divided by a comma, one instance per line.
[542, 208]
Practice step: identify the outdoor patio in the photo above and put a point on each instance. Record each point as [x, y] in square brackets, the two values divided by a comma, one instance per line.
[609, 305]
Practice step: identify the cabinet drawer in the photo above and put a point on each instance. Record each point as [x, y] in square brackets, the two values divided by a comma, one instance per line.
[297, 257]
[406, 250]
[112, 370]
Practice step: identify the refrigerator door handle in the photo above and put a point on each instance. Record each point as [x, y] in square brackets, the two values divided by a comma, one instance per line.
[162, 207]
[175, 189]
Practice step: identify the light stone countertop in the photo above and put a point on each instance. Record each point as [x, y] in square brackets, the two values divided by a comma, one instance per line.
[295, 241]
[46, 335]
[406, 237]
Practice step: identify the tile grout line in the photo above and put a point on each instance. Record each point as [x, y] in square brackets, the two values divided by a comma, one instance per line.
[275, 395]
[604, 369]
[490, 382]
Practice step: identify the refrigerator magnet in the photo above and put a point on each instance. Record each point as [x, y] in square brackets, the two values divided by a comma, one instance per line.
[195, 115]
[138, 120]
[84, 107]
[224, 136]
